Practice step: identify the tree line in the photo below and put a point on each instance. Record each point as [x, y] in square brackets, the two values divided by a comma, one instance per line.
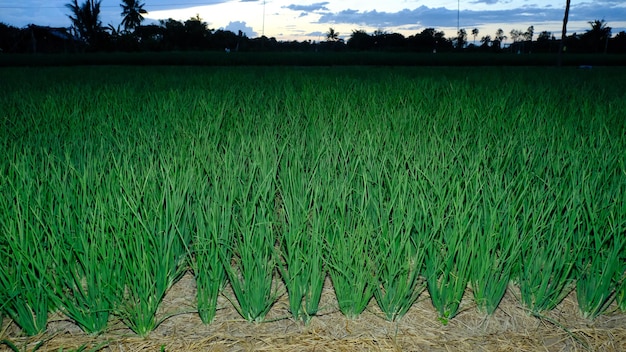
[87, 33]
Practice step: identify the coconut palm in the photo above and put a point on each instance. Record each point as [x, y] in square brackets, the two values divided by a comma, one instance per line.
[86, 23]
[475, 32]
[499, 38]
[331, 35]
[132, 11]
[461, 38]
[597, 37]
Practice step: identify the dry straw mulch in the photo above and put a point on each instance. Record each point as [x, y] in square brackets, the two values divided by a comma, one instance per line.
[511, 328]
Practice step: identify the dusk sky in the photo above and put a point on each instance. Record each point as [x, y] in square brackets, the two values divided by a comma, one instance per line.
[302, 20]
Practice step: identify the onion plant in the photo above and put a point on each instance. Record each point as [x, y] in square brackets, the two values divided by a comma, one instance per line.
[618, 226]
[113, 180]
[620, 279]
[303, 229]
[495, 241]
[26, 263]
[352, 235]
[252, 266]
[548, 218]
[214, 204]
[449, 184]
[601, 235]
[447, 267]
[89, 278]
[398, 249]
[152, 239]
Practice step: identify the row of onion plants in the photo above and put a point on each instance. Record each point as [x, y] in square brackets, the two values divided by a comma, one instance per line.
[410, 186]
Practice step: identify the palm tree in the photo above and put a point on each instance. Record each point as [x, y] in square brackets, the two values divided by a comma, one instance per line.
[516, 34]
[132, 11]
[475, 32]
[86, 23]
[598, 36]
[461, 38]
[563, 33]
[486, 40]
[499, 38]
[331, 35]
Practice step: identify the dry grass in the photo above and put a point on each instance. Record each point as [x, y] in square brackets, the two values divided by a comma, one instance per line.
[511, 328]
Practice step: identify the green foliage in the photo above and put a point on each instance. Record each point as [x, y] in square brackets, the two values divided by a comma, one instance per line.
[549, 218]
[252, 266]
[13, 347]
[399, 250]
[115, 182]
[352, 236]
[152, 235]
[495, 237]
[304, 223]
[26, 263]
[215, 193]
[600, 263]
[88, 285]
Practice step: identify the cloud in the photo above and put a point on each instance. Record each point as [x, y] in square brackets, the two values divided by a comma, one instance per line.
[424, 16]
[236, 26]
[488, 2]
[160, 5]
[318, 6]
[316, 34]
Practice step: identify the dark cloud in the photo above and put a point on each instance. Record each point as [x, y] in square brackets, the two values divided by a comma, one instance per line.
[318, 6]
[424, 16]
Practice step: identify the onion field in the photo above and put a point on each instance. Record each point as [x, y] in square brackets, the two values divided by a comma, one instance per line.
[394, 183]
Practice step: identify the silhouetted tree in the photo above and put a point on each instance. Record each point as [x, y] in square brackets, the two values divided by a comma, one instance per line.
[388, 41]
[486, 41]
[530, 33]
[546, 42]
[475, 32]
[429, 40]
[197, 33]
[544, 36]
[9, 38]
[132, 11]
[222, 39]
[461, 38]
[516, 35]
[173, 34]
[150, 37]
[499, 38]
[331, 35]
[597, 38]
[528, 36]
[86, 23]
[618, 43]
[360, 40]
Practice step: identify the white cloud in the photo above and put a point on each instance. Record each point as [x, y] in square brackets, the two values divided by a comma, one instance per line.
[237, 26]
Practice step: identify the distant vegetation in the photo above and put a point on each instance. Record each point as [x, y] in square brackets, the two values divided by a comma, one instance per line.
[303, 58]
[87, 34]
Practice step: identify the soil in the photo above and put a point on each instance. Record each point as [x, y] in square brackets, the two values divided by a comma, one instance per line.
[510, 328]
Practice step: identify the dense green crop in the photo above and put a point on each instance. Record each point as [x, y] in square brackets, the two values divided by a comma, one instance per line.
[117, 180]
